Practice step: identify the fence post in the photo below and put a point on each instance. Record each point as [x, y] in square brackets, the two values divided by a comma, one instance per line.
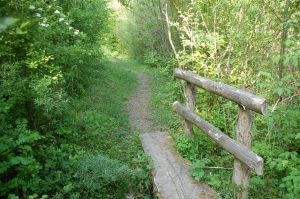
[241, 172]
[190, 100]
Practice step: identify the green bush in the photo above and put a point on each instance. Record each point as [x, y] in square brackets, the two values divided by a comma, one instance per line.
[106, 178]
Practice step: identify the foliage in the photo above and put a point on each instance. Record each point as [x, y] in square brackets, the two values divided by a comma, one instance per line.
[106, 177]
[18, 162]
[52, 117]
[105, 127]
[142, 37]
[197, 168]
[237, 43]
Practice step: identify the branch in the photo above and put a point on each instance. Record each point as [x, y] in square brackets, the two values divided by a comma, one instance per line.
[170, 34]
[272, 11]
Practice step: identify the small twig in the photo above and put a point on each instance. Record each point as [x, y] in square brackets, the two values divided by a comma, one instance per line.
[218, 168]
[274, 107]
[252, 83]
[290, 97]
[224, 168]
[282, 101]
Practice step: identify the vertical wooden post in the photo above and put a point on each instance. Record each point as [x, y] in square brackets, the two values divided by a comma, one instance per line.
[241, 172]
[190, 99]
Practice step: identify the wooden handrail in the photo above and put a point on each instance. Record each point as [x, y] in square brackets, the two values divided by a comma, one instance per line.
[245, 159]
[247, 100]
[238, 150]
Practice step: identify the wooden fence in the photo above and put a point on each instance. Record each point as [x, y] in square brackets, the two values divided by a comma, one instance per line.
[245, 159]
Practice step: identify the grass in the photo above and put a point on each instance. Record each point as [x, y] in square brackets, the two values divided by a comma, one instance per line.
[100, 122]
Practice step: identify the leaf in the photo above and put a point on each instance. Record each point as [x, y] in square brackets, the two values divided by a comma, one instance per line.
[294, 157]
[22, 160]
[286, 60]
[20, 32]
[297, 136]
[68, 187]
[26, 148]
[295, 61]
[4, 147]
[33, 196]
[272, 164]
[279, 91]
[12, 196]
[282, 185]
[296, 180]
[277, 58]
[9, 21]
[287, 42]
[24, 24]
[4, 166]
[18, 121]
[287, 91]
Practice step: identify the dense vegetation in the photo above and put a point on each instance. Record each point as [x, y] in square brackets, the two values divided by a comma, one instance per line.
[64, 130]
[245, 43]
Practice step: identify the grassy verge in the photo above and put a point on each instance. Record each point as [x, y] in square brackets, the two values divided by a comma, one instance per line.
[110, 161]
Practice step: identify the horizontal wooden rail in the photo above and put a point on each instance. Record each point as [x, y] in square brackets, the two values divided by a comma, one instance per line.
[239, 151]
[247, 100]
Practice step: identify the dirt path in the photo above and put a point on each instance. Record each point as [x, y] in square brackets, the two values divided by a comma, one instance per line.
[170, 172]
[138, 106]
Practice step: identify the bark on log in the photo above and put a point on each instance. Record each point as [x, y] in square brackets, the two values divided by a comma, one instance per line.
[239, 151]
[190, 100]
[249, 101]
[241, 172]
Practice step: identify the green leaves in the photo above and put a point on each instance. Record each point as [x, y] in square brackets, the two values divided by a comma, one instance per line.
[68, 187]
[197, 168]
[288, 161]
[7, 22]
[21, 160]
[277, 58]
[293, 53]
[295, 60]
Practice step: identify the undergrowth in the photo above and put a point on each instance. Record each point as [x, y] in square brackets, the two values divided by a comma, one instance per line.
[114, 163]
[94, 153]
[275, 138]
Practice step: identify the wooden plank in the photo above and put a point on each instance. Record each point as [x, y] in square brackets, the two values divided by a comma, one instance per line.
[190, 100]
[241, 172]
[247, 100]
[239, 151]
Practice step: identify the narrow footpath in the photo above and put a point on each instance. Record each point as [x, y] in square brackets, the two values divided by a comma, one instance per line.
[170, 173]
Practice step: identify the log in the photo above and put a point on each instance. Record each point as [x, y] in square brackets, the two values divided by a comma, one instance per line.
[247, 100]
[190, 100]
[241, 172]
[238, 150]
